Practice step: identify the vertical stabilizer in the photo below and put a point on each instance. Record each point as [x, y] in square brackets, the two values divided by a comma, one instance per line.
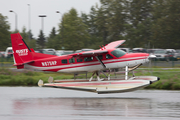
[22, 53]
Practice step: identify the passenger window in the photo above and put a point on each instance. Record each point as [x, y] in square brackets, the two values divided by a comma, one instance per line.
[64, 61]
[88, 59]
[79, 60]
[100, 57]
[108, 56]
[71, 60]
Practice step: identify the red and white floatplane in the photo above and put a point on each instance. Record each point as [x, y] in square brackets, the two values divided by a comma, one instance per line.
[106, 58]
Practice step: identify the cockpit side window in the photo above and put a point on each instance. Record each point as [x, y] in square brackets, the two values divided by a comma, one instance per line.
[118, 53]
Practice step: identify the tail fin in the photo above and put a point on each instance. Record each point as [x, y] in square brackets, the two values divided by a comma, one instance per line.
[22, 53]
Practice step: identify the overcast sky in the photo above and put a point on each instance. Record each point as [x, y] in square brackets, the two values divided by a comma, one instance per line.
[41, 7]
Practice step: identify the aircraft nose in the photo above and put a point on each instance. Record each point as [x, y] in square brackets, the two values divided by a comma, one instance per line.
[151, 56]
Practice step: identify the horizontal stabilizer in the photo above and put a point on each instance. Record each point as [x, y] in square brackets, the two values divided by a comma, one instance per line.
[23, 63]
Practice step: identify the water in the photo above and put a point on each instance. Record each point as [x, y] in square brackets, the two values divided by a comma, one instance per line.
[34, 103]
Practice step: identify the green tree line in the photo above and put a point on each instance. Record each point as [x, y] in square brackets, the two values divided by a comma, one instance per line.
[143, 23]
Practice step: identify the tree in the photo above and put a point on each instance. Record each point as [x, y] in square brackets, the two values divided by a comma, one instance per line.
[73, 31]
[4, 33]
[108, 21]
[53, 40]
[101, 23]
[91, 21]
[41, 40]
[53, 33]
[116, 18]
[140, 19]
[25, 35]
[166, 25]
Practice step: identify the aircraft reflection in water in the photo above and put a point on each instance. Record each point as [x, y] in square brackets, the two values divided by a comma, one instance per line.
[34, 103]
[97, 108]
[106, 58]
[83, 106]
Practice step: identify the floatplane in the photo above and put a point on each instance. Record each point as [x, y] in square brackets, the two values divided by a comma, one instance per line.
[108, 57]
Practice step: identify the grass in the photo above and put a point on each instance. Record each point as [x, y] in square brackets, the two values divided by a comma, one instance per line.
[27, 78]
[169, 78]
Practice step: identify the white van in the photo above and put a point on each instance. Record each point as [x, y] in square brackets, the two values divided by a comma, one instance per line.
[8, 52]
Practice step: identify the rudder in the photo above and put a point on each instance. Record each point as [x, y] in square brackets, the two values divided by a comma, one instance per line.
[22, 53]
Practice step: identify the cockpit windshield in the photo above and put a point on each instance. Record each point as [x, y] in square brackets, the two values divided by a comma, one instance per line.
[118, 53]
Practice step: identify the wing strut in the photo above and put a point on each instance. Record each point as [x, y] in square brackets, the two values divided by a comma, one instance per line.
[100, 61]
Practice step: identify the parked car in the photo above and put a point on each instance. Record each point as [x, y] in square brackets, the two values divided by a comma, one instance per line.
[151, 51]
[67, 52]
[172, 54]
[2, 53]
[83, 50]
[63, 52]
[165, 54]
[59, 52]
[8, 52]
[127, 50]
[178, 54]
[47, 51]
[139, 50]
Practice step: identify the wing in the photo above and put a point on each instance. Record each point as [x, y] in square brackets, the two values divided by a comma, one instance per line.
[90, 53]
[101, 51]
[114, 44]
[111, 45]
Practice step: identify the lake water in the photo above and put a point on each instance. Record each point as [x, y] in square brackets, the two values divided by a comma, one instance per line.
[35, 103]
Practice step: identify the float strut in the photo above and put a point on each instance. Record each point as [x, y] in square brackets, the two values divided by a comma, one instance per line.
[98, 78]
[92, 76]
[126, 73]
